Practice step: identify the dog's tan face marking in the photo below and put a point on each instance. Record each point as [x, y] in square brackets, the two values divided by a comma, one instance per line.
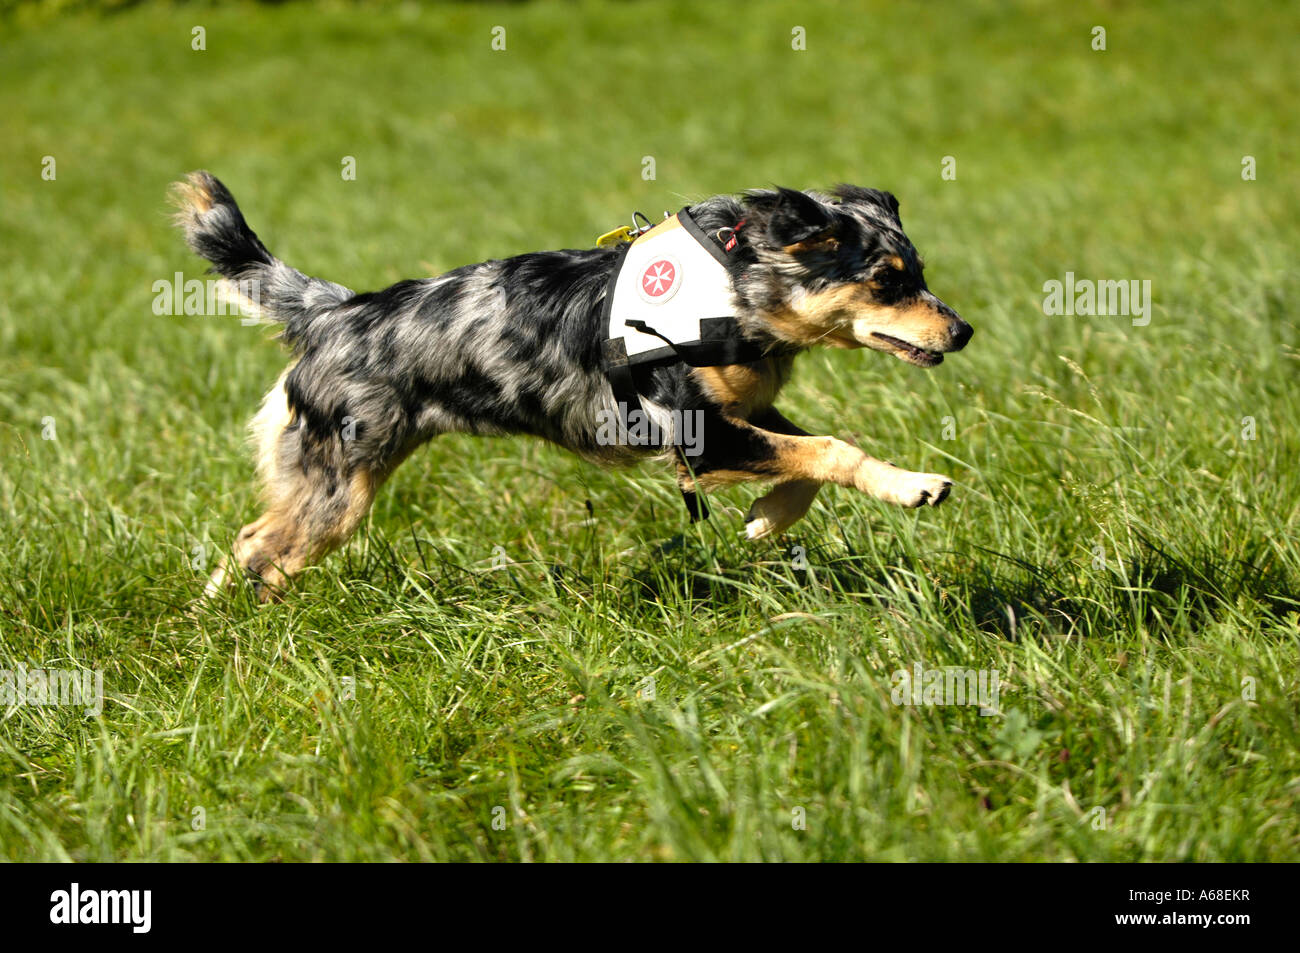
[823, 242]
[842, 273]
[917, 330]
[917, 324]
[807, 326]
[850, 316]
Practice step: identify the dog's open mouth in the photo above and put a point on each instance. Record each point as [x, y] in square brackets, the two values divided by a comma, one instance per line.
[908, 352]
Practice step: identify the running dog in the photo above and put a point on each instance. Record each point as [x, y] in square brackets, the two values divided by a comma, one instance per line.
[534, 345]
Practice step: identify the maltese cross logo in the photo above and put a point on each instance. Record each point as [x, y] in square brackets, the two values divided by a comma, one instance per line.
[659, 280]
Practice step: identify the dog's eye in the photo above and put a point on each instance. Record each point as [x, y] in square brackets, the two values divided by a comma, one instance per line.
[889, 284]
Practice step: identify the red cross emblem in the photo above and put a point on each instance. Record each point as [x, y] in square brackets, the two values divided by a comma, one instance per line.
[658, 278]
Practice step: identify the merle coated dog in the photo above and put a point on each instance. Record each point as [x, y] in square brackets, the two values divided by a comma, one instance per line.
[514, 346]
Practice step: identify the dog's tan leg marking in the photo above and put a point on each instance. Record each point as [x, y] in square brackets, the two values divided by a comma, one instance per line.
[296, 533]
[781, 508]
[685, 479]
[828, 460]
[786, 503]
[902, 487]
[312, 508]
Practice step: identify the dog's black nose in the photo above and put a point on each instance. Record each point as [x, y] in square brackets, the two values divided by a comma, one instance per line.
[960, 332]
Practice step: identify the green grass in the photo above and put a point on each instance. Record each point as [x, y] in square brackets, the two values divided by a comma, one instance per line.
[1113, 547]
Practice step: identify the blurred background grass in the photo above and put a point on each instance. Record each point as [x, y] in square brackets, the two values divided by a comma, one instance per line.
[1114, 547]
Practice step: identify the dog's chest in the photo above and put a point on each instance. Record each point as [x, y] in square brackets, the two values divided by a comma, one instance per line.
[744, 390]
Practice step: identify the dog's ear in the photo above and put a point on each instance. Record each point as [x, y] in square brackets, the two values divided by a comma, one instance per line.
[791, 217]
[856, 193]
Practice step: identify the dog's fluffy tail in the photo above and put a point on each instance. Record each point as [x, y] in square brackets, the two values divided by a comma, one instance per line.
[262, 284]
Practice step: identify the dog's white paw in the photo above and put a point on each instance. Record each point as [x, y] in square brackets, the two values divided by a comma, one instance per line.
[910, 489]
[780, 509]
[768, 519]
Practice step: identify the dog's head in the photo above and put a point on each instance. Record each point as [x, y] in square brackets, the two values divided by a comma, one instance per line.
[837, 269]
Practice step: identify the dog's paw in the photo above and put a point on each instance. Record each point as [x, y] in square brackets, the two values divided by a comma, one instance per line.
[761, 527]
[780, 509]
[910, 489]
[765, 519]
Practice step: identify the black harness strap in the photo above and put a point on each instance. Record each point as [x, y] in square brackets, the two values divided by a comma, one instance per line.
[720, 343]
[708, 241]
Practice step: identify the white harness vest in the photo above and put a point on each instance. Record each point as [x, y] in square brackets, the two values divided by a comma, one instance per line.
[667, 283]
[670, 300]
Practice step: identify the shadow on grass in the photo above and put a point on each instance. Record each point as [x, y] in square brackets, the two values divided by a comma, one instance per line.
[1155, 590]
[998, 594]
[1158, 592]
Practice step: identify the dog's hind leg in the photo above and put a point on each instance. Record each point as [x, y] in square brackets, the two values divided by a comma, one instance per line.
[315, 500]
[299, 531]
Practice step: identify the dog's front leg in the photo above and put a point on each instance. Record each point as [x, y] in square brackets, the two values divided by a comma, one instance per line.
[780, 508]
[902, 487]
[828, 460]
[738, 451]
[786, 503]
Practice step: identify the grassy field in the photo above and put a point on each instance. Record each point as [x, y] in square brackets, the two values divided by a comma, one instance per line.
[523, 657]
